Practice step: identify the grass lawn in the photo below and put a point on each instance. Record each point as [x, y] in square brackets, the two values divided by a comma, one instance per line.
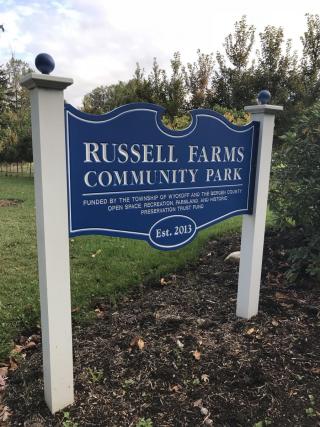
[100, 266]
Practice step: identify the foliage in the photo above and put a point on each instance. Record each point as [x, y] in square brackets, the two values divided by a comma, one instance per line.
[67, 421]
[15, 122]
[296, 188]
[230, 79]
[95, 375]
[178, 122]
[106, 98]
[198, 78]
[232, 84]
[277, 69]
[310, 63]
[143, 422]
[239, 118]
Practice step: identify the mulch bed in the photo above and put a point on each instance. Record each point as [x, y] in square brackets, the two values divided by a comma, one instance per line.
[176, 353]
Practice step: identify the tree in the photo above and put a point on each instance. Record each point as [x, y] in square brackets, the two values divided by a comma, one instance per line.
[232, 86]
[105, 98]
[17, 97]
[157, 80]
[296, 187]
[277, 70]
[157, 88]
[238, 45]
[175, 88]
[310, 63]
[277, 66]
[15, 122]
[3, 91]
[198, 77]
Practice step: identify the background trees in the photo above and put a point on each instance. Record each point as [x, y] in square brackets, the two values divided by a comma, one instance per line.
[227, 80]
[232, 83]
[15, 121]
[230, 79]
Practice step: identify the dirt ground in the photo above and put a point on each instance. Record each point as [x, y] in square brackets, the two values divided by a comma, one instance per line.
[174, 352]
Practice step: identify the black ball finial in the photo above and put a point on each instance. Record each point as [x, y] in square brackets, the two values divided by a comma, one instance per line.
[264, 97]
[45, 63]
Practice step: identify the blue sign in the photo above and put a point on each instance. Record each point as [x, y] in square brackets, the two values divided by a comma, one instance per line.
[130, 176]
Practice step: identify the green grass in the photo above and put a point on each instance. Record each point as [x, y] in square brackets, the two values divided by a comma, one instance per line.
[118, 264]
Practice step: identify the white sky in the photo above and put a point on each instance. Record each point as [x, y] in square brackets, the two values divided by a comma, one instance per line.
[99, 41]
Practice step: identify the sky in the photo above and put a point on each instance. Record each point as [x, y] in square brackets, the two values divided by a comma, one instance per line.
[99, 41]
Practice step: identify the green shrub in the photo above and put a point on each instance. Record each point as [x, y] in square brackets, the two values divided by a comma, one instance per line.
[144, 422]
[295, 190]
[236, 117]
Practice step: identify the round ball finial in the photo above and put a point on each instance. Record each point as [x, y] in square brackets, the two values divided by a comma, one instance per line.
[45, 63]
[264, 97]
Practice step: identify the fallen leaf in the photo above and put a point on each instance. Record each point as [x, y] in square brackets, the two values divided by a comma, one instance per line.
[96, 253]
[12, 364]
[180, 345]
[2, 382]
[280, 295]
[137, 342]
[250, 331]
[164, 282]
[35, 338]
[201, 321]
[140, 344]
[22, 340]
[204, 411]
[101, 314]
[315, 371]
[286, 305]
[275, 323]
[175, 388]
[30, 344]
[4, 413]
[198, 403]
[4, 371]
[205, 378]
[17, 349]
[196, 355]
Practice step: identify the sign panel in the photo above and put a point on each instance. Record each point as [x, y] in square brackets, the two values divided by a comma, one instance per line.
[130, 176]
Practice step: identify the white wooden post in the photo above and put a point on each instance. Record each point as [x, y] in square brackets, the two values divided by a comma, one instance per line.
[253, 226]
[48, 139]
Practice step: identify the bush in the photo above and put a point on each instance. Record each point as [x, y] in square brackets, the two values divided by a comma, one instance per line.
[236, 117]
[295, 190]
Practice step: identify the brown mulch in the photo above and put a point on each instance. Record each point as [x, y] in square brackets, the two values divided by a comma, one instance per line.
[175, 352]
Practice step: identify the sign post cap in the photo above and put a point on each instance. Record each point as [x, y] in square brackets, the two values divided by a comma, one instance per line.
[263, 107]
[44, 63]
[264, 97]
